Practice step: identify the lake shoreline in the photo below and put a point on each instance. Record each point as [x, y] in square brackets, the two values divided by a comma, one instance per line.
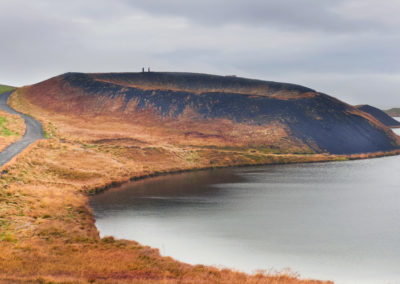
[192, 171]
[54, 229]
[329, 158]
[51, 224]
[63, 246]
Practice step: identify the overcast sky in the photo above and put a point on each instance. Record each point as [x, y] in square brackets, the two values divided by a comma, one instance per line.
[345, 48]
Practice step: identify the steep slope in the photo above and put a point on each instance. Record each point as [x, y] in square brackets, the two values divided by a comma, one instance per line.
[192, 109]
[379, 115]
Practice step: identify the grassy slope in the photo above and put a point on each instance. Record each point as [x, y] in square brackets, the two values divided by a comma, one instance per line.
[5, 88]
[393, 112]
[12, 127]
[47, 230]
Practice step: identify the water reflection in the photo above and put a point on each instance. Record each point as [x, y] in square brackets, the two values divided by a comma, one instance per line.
[166, 193]
[337, 221]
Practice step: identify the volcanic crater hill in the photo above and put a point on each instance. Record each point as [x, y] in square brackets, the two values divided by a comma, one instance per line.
[380, 115]
[190, 108]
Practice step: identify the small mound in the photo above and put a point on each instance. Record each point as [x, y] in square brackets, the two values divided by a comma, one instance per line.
[379, 115]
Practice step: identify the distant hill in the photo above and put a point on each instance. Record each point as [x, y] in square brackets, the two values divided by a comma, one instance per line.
[5, 88]
[395, 112]
[379, 115]
[193, 108]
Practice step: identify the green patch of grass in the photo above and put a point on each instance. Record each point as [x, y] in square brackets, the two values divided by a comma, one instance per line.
[46, 134]
[7, 236]
[340, 158]
[89, 146]
[4, 131]
[5, 88]
[49, 131]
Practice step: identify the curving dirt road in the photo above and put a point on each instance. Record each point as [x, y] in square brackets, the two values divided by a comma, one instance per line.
[33, 132]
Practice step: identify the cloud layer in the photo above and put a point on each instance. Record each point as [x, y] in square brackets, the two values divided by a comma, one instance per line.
[348, 49]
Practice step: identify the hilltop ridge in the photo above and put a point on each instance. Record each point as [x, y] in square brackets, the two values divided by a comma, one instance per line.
[196, 82]
[217, 110]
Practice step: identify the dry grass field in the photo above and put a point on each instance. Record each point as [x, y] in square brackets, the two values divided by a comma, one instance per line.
[47, 230]
[12, 127]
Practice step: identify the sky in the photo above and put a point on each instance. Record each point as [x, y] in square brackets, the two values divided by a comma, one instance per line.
[345, 48]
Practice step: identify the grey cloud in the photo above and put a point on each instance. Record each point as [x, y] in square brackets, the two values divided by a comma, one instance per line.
[344, 48]
[292, 14]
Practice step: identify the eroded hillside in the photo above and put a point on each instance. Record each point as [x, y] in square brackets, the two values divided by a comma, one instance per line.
[204, 109]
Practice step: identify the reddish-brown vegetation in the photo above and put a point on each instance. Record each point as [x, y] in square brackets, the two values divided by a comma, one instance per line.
[12, 127]
[47, 230]
[200, 109]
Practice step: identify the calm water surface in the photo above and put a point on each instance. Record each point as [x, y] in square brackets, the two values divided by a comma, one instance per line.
[337, 221]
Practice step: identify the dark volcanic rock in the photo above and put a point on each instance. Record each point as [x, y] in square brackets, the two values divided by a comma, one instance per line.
[312, 117]
[379, 115]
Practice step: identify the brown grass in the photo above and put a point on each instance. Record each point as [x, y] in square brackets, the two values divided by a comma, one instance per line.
[261, 90]
[47, 230]
[12, 128]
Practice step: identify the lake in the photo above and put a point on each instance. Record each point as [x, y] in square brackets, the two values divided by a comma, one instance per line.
[338, 221]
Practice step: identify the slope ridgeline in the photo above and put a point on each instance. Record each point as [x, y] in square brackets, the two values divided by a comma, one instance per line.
[379, 115]
[202, 109]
